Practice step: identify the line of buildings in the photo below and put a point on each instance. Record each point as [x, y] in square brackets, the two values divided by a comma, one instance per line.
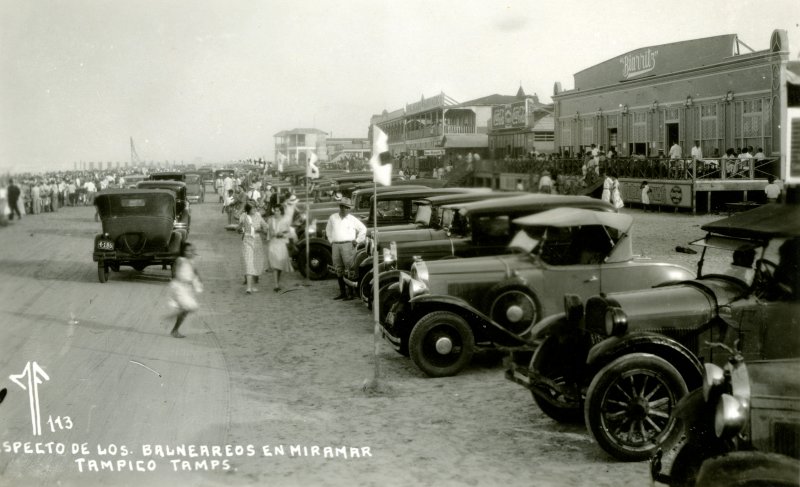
[715, 91]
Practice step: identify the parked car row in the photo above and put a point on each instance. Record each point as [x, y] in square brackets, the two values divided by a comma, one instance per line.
[595, 333]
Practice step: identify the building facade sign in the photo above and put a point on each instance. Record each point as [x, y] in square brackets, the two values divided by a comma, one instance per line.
[510, 116]
[662, 193]
[658, 60]
[433, 152]
[638, 63]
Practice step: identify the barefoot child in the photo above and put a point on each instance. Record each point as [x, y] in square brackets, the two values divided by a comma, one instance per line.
[184, 287]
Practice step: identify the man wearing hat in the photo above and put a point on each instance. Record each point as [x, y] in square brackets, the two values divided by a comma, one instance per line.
[344, 232]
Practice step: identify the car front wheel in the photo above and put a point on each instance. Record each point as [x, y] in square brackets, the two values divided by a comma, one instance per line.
[630, 404]
[441, 344]
[548, 360]
[319, 259]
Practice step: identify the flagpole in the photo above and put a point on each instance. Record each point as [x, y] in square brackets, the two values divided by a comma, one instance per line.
[307, 235]
[375, 284]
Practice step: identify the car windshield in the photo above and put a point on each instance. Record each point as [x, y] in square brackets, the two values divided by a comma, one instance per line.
[193, 178]
[523, 242]
[490, 229]
[734, 257]
[423, 216]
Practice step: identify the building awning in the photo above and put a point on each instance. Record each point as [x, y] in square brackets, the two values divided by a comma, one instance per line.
[465, 141]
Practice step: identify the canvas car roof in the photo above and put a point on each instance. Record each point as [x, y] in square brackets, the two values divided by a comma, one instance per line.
[387, 189]
[160, 184]
[575, 217]
[425, 192]
[447, 199]
[534, 200]
[133, 191]
[767, 221]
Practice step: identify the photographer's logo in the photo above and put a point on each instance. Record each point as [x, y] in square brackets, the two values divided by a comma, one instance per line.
[29, 380]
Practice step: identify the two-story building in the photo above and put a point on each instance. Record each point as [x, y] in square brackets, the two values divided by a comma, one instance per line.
[521, 127]
[295, 146]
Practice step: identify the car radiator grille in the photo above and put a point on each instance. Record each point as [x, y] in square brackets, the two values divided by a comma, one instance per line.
[787, 439]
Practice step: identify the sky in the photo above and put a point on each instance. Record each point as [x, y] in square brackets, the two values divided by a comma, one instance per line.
[214, 81]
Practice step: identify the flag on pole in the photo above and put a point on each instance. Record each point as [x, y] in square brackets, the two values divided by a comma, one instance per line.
[313, 171]
[381, 160]
[281, 159]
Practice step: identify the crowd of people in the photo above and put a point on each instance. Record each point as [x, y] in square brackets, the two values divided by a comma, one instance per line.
[32, 194]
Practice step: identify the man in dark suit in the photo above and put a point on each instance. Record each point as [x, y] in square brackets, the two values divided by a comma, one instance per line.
[13, 199]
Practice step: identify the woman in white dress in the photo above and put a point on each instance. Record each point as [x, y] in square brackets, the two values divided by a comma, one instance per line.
[616, 197]
[608, 186]
[251, 223]
[278, 231]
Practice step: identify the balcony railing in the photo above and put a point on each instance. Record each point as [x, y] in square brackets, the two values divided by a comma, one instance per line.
[650, 168]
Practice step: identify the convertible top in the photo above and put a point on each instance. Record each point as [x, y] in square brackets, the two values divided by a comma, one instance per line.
[575, 217]
[767, 221]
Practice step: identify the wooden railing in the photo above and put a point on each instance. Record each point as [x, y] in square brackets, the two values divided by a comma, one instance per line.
[650, 168]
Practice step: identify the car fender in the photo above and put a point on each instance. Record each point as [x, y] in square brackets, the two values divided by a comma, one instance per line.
[687, 363]
[482, 326]
[547, 325]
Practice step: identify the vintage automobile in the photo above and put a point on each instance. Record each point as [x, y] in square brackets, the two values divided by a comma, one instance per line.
[742, 427]
[449, 308]
[432, 221]
[474, 229]
[138, 230]
[183, 216]
[394, 207]
[195, 188]
[206, 175]
[168, 176]
[131, 180]
[625, 359]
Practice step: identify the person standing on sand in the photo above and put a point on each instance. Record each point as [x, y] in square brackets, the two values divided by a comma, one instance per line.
[252, 225]
[184, 287]
[277, 254]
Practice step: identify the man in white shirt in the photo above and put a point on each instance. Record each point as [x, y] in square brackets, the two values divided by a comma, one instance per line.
[697, 152]
[772, 190]
[675, 152]
[745, 160]
[344, 232]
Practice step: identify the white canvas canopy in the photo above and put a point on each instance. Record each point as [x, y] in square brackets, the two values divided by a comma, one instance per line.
[576, 217]
[579, 217]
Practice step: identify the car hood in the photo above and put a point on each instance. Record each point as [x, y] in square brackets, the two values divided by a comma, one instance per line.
[473, 265]
[686, 305]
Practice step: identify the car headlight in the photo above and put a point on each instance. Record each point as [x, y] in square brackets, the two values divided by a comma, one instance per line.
[616, 321]
[730, 417]
[713, 378]
[313, 227]
[387, 256]
[403, 281]
[419, 271]
[416, 288]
